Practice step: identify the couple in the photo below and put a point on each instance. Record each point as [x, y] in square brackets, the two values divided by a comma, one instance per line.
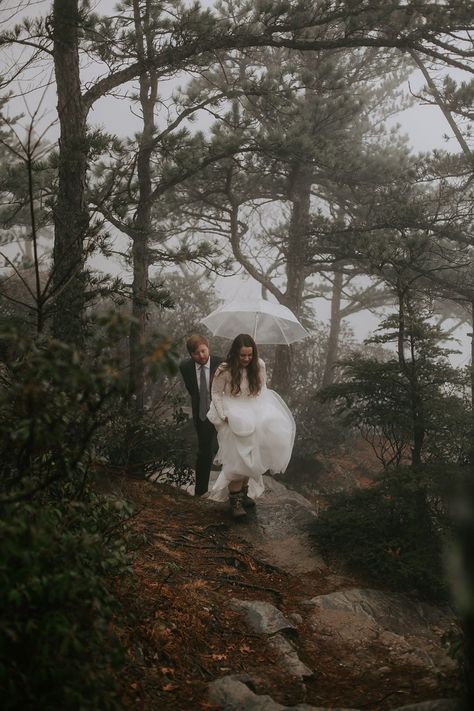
[255, 429]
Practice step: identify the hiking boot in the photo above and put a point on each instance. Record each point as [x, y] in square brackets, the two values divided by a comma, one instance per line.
[247, 502]
[236, 508]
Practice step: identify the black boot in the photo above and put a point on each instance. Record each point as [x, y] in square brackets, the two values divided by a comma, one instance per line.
[247, 502]
[236, 508]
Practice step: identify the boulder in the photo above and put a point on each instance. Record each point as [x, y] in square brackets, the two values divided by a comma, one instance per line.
[262, 617]
[411, 632]
[231, 694]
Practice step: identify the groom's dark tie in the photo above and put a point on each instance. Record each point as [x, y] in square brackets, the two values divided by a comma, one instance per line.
[204, 399]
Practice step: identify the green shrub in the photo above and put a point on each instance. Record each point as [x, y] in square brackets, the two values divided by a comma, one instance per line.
[52, 403]
[149, 446]
[390, 535]
[58, 407]
[56, 562]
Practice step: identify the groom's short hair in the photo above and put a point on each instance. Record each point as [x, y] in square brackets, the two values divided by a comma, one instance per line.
[195, 341]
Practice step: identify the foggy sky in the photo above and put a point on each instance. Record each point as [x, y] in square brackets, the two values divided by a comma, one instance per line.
[424, 125]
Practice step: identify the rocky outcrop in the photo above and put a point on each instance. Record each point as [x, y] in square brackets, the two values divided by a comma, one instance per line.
[369, 632]
[437, 705]
[266, 619]
[233, 693]
[263, 617]
[410, 631]
[280, 527]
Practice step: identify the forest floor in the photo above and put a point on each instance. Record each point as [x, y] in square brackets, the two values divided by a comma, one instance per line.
[180, 633]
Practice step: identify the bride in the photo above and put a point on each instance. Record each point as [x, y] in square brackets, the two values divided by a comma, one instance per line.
[255, 429]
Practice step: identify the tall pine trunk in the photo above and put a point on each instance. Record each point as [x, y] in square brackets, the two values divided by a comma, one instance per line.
[140, 247]
[71, 218]
[299, 193]
[472, 385]
[334, 330]
[465, 541]
[409, 369]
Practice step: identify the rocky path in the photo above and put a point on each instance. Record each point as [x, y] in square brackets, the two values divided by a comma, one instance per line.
[389, 638]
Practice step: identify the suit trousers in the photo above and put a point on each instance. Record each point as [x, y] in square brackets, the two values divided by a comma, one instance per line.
[207, 448]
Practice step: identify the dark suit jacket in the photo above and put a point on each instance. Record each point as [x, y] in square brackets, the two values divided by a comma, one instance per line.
[188, 371]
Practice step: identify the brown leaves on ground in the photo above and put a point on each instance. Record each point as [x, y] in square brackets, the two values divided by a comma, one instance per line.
[176, 627]
[180, 634]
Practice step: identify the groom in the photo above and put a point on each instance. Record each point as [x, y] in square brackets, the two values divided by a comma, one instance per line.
[197, 372]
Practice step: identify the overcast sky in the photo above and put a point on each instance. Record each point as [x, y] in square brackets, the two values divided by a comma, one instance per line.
[425, 127]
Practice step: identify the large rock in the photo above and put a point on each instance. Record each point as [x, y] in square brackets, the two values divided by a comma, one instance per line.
[279, 529]
[393, 611]
[289, 657]
[262, 617]
[411, 632]
[230, 694]
[266, 619]
[437, 705]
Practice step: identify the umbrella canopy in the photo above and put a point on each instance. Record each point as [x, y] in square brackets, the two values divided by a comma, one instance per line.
[265, 321]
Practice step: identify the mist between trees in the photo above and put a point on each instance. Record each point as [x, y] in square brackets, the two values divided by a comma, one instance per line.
[264, 143]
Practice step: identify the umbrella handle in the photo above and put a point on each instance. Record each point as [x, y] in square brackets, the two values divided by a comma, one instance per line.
[255, 327]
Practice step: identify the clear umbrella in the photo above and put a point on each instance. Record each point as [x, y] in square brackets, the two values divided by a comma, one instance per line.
[267, 322]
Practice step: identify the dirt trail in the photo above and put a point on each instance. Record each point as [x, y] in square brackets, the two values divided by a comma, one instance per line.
[279, 530]
[202, 581]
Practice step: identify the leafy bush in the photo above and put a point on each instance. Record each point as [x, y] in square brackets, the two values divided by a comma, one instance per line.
[407, 408]
[56, 561]
[58, 408]
[61, 544]
[389, 534]
[151, 446]
[52, 402]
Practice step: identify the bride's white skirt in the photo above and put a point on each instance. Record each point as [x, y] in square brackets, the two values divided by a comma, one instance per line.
[257, 439]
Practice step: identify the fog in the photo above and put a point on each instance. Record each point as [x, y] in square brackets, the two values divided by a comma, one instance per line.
[260, 151]
[424, 126]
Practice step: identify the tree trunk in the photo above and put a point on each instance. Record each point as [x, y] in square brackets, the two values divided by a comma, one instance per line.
[299, 193]
[417, 408]
[472, 384]
[465, 540]
[418, 431]
[148, 94]
[409, 369]
[282, 368]
[71, 216]
[334, 330]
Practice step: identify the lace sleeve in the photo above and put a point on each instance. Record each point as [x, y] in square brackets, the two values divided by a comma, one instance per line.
[217, 390]
[263, 374]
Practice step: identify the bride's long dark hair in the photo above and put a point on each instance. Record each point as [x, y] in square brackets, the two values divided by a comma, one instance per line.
[243, 340]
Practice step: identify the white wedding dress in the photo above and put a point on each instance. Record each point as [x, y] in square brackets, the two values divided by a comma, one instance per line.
[258, 436]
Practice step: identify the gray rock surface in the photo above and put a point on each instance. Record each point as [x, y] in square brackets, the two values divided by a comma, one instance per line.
[279, 529]
[410, 631]
[266, 619]
[261, 616]
[393, 611]
[289, 657]
[233, 695]
[374, 630]
[436, 705]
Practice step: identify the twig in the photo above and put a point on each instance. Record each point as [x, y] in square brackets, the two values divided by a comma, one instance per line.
[379, 701]
[242, 584]
[222, 526]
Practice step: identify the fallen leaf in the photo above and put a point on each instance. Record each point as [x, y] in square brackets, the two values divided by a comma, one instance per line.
[245, 649]
[169, 687]
[167, 670]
